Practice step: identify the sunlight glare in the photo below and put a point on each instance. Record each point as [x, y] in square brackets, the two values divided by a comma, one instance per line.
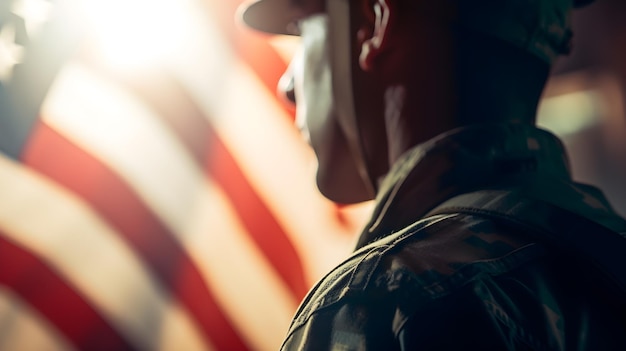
[34, 12]
[137, 33]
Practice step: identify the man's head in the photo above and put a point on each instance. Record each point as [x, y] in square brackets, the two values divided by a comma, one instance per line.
[375, 77]
[325, 112]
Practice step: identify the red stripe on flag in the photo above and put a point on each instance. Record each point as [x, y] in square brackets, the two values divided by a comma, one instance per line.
[51, 154]
[257, 219]
[39, 286]
[181, 113]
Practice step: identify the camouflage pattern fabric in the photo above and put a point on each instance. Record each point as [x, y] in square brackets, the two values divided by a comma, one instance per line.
[540, 27]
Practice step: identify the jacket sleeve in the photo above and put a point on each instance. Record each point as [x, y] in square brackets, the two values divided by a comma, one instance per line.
[345, 325]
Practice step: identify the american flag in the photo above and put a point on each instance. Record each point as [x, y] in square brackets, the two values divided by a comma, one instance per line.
[155, 195]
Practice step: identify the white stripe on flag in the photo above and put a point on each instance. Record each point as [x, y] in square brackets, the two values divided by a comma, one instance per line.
[102, 118]
[90, 256]
[23, 329]
[207, 66]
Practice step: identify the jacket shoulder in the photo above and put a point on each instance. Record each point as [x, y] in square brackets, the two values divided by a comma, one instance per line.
[429, 259]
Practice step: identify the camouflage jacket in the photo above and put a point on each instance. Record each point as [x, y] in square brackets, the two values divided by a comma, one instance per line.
[460, 281]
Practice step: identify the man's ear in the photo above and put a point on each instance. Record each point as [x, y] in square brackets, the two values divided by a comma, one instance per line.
[374, 36]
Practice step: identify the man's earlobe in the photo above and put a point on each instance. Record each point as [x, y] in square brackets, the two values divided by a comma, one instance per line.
[366, 57]
[374, 43]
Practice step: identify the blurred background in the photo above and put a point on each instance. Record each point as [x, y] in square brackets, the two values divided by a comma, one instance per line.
[155, 195]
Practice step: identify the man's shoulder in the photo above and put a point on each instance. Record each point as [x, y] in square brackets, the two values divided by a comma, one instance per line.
[432, 258]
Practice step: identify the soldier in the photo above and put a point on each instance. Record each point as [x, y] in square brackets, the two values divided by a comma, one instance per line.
[479, 239]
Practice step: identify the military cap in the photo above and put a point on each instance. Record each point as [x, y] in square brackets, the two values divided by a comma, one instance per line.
[541, 27]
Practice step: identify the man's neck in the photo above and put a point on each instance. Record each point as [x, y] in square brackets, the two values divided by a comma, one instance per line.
[487, 83]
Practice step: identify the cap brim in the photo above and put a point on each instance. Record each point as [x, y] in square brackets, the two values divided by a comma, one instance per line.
[270, 16]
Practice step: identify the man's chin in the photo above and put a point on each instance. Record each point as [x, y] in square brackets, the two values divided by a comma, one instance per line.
[343, 187]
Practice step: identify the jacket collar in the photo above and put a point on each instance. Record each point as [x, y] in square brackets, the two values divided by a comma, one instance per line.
[459, 161]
